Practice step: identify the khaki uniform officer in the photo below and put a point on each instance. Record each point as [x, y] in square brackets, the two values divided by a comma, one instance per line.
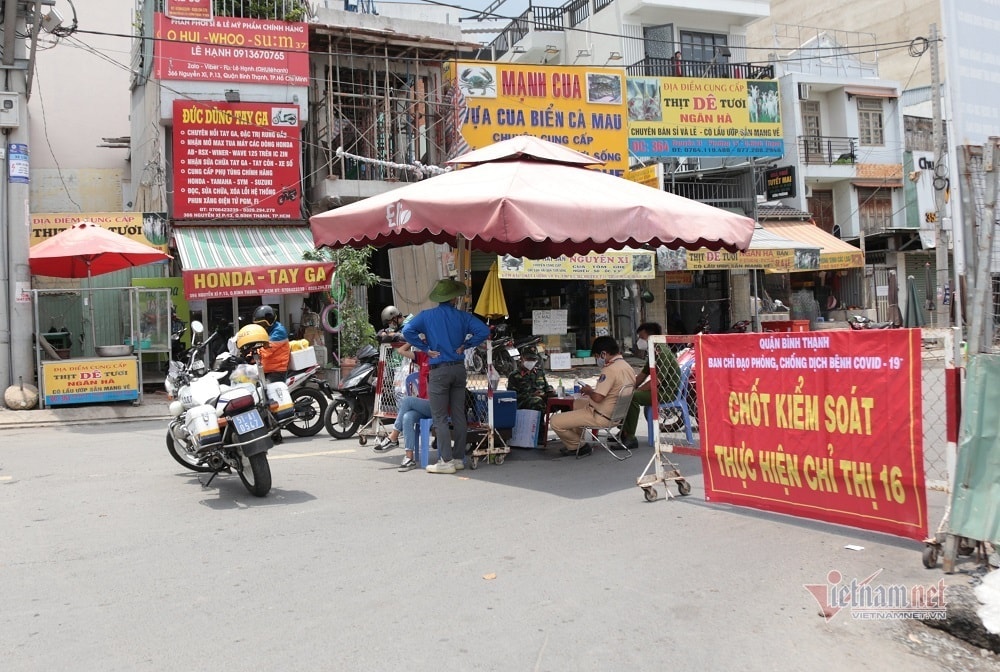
[594, 408]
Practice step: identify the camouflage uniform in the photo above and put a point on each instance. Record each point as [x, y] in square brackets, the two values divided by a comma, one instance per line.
[531, 387]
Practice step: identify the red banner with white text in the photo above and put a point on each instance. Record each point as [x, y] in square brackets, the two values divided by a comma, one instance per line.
[823, 425]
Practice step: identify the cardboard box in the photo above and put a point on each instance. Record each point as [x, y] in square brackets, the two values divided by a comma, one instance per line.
[303, 359]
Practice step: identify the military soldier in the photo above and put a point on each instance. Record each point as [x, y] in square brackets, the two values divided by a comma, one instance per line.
[529, 382]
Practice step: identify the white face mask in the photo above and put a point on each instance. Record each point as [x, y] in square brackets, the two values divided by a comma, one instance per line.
[601, 361]
[529, 364]
[642, 344]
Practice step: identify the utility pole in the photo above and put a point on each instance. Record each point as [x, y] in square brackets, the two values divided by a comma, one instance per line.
[980, 331]
[940, 182]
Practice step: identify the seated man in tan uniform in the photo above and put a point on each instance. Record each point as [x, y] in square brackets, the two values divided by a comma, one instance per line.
[594, 407]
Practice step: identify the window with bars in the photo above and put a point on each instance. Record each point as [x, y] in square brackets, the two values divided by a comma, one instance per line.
[871, 127]
[701, 46]
[578, 11]
[875, 209]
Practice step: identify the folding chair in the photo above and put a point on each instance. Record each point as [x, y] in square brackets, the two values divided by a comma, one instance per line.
[618, 414]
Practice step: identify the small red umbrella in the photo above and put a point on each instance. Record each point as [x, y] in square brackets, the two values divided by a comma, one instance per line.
[531, 198]
[85, 250]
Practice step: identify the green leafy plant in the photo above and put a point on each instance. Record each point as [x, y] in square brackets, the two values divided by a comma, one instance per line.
[352, 272]
[281, 10]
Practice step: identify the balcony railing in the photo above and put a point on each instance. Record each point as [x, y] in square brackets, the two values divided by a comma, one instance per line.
[667, 67]
[545, 19]
[828, 150]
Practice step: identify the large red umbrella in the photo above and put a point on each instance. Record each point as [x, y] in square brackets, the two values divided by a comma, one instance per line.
[86, 249]
[531, 198]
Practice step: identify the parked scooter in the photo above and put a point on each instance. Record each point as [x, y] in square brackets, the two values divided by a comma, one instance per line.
[353, 404]
[216, 430]
[861, 323]
[506, 351]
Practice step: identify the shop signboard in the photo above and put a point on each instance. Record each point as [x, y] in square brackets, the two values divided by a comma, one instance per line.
[651, 176]
[821, 425]
[231, 50]
[689, 116]
[236, 160]
[255, 281]
[581, 108]
[780, 182]
[626, 265]
[774, 261]
[87, 381]
[189, 10]
[148, 228]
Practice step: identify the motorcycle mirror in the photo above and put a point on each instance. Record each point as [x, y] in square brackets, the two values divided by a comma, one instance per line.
[197, 327]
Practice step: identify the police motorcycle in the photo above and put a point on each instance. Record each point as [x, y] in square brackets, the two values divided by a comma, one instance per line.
[217, 429]
[309, 392]
[353, 404]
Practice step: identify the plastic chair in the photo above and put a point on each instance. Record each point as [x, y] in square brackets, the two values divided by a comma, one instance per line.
[680, 403]
[618, 414]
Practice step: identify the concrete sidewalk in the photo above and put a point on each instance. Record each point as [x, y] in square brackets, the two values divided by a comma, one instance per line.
[154, 406]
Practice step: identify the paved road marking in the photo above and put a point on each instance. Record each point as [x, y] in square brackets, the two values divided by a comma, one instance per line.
[324, 452]
[6, 478]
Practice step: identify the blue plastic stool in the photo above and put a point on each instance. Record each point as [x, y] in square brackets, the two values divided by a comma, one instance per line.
[423, 451]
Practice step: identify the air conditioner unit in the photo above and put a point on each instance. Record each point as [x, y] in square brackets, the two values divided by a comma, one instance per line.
[803, 91]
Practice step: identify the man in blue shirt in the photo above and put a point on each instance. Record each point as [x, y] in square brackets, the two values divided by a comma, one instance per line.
[447, 334]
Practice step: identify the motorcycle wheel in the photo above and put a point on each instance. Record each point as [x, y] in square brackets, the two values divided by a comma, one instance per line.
[184, 458]
[478, 363]
[340, 419]
[310, 407]
[256, 474]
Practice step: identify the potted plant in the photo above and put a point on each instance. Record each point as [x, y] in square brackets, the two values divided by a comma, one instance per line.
[351, 273]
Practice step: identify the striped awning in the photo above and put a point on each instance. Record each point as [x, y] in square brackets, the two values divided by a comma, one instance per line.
[833, 252]
[220, 261]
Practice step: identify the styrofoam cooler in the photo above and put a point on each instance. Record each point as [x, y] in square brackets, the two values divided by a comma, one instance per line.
[202, 423]
[504, 407]
[280, 401]
[302, 359]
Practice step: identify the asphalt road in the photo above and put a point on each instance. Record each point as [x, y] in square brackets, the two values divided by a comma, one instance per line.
[115, 558]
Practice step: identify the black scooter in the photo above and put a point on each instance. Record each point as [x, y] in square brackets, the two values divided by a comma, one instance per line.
[353, 403]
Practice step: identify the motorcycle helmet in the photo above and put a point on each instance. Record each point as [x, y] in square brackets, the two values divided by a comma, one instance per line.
[250, 336]
[264, 316]
[390, 313]
[647, 296]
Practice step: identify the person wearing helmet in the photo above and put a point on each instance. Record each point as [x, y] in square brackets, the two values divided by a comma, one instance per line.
[248, 341]
[529, 382]
[392, 322]
[275, 357]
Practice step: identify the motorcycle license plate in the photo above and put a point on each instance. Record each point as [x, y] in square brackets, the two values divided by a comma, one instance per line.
[513, 352]
[248, 421]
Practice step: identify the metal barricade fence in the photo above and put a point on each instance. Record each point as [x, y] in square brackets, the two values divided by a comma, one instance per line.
[394, 368]
[675, 418]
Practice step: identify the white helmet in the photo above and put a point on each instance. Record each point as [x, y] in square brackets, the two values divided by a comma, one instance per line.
[389, 313]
